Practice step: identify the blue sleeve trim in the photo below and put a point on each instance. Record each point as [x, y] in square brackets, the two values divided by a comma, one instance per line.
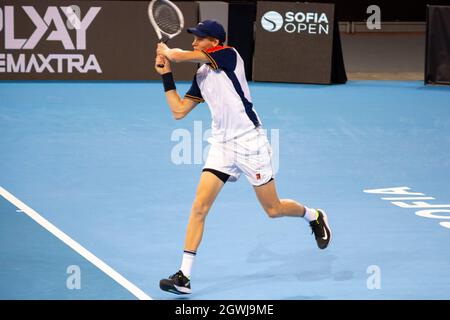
[194, 92]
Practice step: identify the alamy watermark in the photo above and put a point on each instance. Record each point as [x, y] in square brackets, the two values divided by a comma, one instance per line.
[374, 279]
[193, 147]
[74, 279]
[374, 20]
[73, 14]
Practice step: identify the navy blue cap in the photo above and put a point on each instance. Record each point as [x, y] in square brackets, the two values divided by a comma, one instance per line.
[209, 28]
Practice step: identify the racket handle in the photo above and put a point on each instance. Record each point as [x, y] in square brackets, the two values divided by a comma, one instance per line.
[162, 40]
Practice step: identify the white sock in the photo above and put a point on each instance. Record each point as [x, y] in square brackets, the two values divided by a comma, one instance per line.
[310, 214]
[188, 261]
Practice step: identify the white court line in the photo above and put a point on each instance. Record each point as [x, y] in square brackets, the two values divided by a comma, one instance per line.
[445, 224]
[408, 198]
[75, 245]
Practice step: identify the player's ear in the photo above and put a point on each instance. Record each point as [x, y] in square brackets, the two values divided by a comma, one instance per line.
[215, 42]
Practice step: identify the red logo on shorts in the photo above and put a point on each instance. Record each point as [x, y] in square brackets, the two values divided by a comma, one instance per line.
[258, 176]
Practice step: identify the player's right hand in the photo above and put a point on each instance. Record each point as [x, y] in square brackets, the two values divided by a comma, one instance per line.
[161, 60]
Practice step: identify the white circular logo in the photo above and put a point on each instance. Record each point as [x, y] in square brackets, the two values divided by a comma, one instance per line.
[272, 21]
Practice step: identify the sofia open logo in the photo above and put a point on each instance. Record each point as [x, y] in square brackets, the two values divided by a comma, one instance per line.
[272, 21]
[296, 22]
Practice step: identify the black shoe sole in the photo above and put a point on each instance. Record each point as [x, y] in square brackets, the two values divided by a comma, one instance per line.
[327, 225]
[167, 285]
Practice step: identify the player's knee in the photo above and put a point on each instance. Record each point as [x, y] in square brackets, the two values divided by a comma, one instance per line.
[272, 211]
[200, 209]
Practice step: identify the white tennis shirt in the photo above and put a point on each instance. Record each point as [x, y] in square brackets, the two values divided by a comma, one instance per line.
[222, 84]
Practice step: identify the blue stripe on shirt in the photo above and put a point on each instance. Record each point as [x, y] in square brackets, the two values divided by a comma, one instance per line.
[247, 104]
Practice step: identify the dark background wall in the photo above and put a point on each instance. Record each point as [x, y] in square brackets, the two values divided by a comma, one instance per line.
[388, 49]
[242, 14]
[355, 10]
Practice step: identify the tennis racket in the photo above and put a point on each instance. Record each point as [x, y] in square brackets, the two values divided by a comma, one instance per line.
[167, 20]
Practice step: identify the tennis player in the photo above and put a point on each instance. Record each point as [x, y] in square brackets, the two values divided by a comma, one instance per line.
[238, 143]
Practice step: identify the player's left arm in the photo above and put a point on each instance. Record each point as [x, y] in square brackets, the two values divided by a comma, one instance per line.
[178, 55]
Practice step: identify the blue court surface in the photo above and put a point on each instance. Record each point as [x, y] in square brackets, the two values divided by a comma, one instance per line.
[101, 167]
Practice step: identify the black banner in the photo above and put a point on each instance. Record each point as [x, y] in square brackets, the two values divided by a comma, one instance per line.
[294, 42]
[84, 40]
[225, 310]
[437, 61]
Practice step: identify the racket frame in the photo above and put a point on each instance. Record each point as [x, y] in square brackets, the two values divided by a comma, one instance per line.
[163, 36]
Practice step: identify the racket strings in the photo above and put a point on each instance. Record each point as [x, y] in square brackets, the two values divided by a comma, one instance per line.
[166, 18]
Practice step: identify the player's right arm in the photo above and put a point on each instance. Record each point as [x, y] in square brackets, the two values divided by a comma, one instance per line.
[179, 107]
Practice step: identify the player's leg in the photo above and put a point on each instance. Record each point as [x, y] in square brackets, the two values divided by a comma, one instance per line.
[257, 167]
[211, 182]
[276, 207]
[253, 157]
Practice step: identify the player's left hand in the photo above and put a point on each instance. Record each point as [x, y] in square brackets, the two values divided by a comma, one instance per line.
[162, 61]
